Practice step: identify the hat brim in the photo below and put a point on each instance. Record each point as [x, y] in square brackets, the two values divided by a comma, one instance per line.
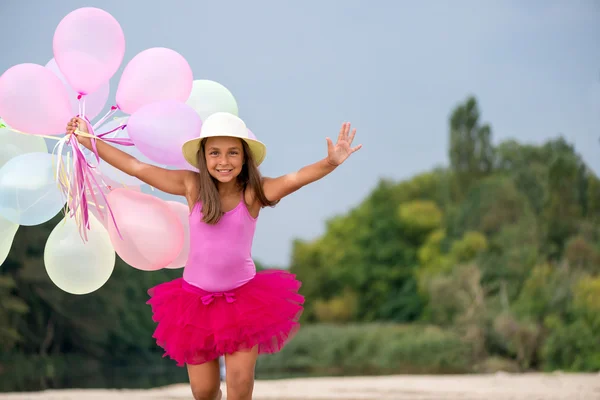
[191, 147]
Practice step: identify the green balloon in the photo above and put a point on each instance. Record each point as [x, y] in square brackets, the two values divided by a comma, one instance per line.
[75, 266]
[209, 97]
[14, 144]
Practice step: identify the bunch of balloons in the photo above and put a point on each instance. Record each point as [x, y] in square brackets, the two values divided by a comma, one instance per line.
[105, 211]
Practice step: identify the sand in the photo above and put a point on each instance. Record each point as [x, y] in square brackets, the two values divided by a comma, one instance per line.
[498, 386]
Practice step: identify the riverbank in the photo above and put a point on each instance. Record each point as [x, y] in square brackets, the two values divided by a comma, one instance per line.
[498, 386]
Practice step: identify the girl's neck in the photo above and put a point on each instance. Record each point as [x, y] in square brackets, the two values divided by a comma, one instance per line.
[228, 189]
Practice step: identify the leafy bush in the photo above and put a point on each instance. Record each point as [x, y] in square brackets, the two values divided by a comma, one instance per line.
[370, 349]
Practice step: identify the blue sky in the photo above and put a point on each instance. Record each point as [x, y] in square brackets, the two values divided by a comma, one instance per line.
[395, 69]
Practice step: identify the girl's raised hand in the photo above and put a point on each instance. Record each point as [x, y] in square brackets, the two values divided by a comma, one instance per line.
[338, 153]
[78, 123]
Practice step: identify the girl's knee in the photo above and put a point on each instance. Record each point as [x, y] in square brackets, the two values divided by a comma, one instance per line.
[239, 383]
[203, 392]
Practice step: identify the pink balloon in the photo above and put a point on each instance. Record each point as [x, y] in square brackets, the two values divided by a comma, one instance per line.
[94, 102]
[152, 233]
[89, 46]
[154, 74]
[159, 130]
[95, 197]
[183, 212]
[34, 100]
[101, 215]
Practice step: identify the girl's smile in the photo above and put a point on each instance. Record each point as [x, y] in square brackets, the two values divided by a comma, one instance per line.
[224, 158]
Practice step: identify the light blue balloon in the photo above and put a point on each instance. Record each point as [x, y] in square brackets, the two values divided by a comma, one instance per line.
[29, 193]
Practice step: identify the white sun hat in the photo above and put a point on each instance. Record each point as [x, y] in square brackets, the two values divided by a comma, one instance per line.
[223, 124]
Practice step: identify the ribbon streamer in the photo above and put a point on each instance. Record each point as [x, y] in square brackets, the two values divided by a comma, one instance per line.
[76, 178]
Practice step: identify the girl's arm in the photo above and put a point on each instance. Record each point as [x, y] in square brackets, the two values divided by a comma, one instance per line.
[277, 188]
[169, 181]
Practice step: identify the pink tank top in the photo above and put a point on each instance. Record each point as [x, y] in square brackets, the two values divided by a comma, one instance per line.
[220, 255]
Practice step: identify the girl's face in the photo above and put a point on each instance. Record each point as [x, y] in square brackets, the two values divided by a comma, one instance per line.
[224, 158]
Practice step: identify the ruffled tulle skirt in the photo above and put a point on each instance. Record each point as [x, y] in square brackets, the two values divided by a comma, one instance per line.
[195, 326]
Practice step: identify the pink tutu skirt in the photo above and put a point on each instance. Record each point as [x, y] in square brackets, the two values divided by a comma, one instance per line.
[196, 326]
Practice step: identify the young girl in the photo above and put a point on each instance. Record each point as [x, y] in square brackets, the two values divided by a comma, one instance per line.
[221, 306]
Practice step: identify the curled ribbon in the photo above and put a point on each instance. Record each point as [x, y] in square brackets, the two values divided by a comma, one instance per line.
[209, 298]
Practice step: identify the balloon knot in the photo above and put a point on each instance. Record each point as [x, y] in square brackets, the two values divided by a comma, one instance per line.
[79, 97]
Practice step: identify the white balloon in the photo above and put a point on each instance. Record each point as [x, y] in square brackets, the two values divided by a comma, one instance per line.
[75, 266]
[29, 194]
[208, 97]
[14, 144]
[8, 230]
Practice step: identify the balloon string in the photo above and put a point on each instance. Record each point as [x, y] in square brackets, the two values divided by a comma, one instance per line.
[119, 141]
[89, 178]
[31, 134]
[110, 113]
[81, 99]
[77, 183]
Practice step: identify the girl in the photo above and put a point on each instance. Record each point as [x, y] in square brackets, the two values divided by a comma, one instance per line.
[221, 306]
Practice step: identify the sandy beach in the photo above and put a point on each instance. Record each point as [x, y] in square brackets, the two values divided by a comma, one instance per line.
[500, 386]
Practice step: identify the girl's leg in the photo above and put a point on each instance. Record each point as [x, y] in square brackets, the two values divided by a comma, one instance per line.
[204, 380]
[240, 374]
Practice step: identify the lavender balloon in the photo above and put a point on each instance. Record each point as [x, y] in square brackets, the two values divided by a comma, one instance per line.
[159, 130]
[108, 170]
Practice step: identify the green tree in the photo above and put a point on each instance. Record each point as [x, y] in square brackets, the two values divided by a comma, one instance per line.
[572, 343]
[471, 150]
[418, 218]
[11, 307]
[563, 207]
[370, 252]
[528, 169]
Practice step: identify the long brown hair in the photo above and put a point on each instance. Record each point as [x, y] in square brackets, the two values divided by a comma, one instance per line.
[208, 193]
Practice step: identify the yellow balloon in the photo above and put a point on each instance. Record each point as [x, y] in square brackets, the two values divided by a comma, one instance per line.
[75, 266]
[8, 230]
